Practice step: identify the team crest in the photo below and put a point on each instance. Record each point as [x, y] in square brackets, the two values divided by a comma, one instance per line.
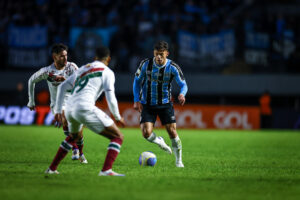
[138, 72]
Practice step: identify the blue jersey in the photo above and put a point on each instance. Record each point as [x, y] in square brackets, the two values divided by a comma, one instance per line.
[152, 83]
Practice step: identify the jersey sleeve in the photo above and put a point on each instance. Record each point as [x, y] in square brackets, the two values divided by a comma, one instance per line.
[65, 86]
[179, 78]
[74, 67]
[36, 77]
[109, 89]
[140, 75]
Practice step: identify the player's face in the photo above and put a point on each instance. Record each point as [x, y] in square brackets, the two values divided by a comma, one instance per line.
[161, 56]
[61, 58]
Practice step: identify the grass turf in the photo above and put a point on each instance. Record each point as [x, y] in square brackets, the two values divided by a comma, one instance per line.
[218, 165]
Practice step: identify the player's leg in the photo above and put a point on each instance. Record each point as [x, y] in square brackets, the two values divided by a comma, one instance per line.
[167, 117]
[66, 145]
[147, 130]
[97, 121]
[176, 143]
[63, 150]
[116, 139]
[147, 121]
[75, 150]
[80, 148]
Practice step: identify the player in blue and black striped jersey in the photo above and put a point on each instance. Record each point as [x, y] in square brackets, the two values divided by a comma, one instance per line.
[152, 97]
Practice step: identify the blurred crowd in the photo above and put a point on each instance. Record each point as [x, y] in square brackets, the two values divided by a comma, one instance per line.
[141, 22]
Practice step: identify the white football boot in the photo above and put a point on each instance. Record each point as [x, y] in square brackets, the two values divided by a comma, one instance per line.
[164, 146]
[109, 172]
[83, 159]
[49, 171]
[179, 164]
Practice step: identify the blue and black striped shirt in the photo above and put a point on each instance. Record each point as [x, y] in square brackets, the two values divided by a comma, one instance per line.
[152, 83]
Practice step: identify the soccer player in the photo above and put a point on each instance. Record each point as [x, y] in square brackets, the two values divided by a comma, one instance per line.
[87, 84]
[55, 74]
[152, 97]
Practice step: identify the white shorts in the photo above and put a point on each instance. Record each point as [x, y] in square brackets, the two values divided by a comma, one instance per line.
[95, 119]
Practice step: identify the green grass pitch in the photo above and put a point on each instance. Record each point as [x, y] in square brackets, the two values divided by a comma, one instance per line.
[218, 165]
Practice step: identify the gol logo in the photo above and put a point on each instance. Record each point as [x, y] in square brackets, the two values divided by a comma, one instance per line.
[233, 119]
[189, 119]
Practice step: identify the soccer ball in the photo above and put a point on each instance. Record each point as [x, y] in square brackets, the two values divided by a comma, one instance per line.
[147, 158]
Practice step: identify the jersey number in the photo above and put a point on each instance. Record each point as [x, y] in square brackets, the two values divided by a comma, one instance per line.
[83, 81]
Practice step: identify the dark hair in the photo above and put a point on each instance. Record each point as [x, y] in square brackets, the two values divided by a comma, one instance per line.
[161, 46]
[102, 52]
[59, 47]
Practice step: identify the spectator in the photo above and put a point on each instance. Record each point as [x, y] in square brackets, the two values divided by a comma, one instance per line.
[21, 95]
[139, 22]
[265, 110]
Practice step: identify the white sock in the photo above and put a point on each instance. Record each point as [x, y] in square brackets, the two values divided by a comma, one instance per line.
[153, 138]
[176, 142]
[177, 148]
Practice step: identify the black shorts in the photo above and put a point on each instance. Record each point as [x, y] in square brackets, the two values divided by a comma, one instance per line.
[164, 111]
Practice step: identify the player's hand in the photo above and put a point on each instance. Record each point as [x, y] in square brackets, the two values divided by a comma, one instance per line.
[138, 106]
[57, 121]
[181, 99]
[31, 107]
[121, 122]
[59, 78]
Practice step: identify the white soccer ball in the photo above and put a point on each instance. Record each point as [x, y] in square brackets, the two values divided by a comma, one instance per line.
[147, 158]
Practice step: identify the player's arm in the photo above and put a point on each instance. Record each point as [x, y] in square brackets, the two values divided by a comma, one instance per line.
[36, 77]
[60, 96]
[136, 88]
[139, 77]
[109, 89]
[180, 80]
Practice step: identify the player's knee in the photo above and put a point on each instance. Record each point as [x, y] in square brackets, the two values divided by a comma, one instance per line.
[118, 134]
[173, 130]
[121, 136]
[75, 136]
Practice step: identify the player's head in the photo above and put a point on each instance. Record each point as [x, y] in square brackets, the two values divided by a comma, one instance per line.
[161, 52]
[59, 53]
[103, 55]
